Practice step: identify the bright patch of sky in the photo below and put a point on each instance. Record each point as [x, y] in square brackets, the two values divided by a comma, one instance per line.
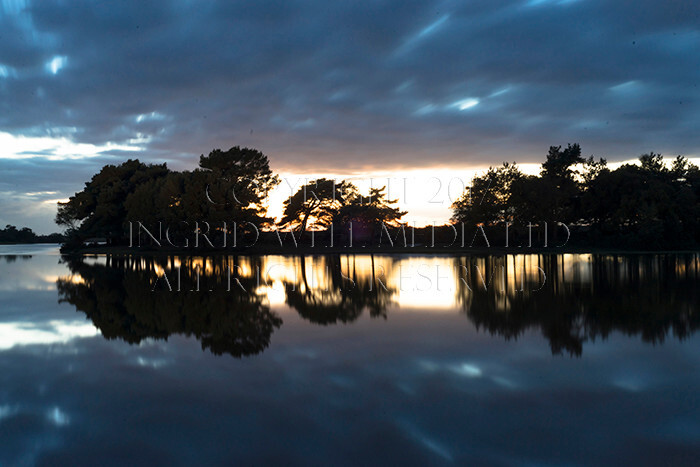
[461, 105]
[500, 92]
[628, 87]
[466, 104]
[140, 138]
[26, 147]
[149, 117]
[6, 71]
[55, 65]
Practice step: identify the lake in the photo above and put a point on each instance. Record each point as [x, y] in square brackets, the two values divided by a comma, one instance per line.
[349, 359]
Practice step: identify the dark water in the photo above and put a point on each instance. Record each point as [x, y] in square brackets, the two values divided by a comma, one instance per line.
[325, 360]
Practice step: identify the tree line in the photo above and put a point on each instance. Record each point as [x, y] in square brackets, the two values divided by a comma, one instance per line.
[11, 234]
[648, 205]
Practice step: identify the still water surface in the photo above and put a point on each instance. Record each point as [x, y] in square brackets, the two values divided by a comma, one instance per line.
[348, 359]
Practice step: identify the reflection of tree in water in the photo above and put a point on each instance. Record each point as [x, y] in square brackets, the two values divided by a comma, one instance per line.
[647, 295]
[345, 293]
[653, 296]
[124, 301]
[13, 258]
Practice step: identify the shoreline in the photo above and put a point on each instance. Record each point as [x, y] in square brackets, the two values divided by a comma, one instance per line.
[390, 251]
[370, 250]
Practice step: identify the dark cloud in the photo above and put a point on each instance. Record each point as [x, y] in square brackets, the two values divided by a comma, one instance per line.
[346, 86]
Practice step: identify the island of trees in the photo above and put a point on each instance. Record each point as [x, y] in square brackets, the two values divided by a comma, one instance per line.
[649, 205]
[11, 234]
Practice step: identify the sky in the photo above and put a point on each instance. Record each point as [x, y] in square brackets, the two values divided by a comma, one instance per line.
[429, 91]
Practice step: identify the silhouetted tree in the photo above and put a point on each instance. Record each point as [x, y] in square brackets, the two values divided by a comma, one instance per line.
[487, 200]
[236, 183]
[366, 214]
[99, 209]
[319, 200]
[229, 186]
[645, 206]
[555, 195]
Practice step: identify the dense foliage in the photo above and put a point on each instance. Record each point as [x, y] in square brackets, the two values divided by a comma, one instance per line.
[227, 186]
[648, 206]
[228, 190]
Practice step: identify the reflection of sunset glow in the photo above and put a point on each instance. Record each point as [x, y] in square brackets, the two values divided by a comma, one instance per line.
[426, 283]
[73, 279]
[160, 272]
[274, 292]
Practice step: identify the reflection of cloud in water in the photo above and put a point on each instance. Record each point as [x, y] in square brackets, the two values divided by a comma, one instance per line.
[58, 417]
[51, 332]
[154, 363]
[29, 249]
[427, 442]
[6, 411]
[503, 382]
[462, 369]
[633, 380]
[470, 370]
[467, 369]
